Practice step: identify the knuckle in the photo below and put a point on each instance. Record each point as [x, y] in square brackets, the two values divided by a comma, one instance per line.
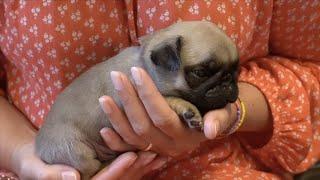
[126, 99]
[147, 94]
[116, 149]
[114, 146]
[121, 145]
[142, 130]
[165, 120]
[130, 140]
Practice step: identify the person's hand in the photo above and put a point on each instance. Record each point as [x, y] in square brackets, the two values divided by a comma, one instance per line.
[217, 122]
[127, 166]
[131, 166]
[147, 118]
[17, 152]
[30, 166]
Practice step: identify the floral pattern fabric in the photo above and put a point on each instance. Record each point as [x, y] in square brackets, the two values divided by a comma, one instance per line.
[47, 43]
[295, 29]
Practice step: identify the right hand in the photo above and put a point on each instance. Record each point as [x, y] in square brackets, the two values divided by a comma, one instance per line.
[127, 166]
[19, 154]
[147, 118]
[131, 166]
[29, 166]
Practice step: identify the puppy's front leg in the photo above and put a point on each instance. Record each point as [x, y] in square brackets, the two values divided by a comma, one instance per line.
[187, 112]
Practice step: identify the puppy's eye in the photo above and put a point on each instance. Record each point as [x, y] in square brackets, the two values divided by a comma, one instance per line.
[200, 72]
[214, 67]
[196, 76]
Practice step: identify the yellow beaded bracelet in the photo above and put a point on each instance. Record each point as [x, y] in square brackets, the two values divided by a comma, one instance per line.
[241, 115]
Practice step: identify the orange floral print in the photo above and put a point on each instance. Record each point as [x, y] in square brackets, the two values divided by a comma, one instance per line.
[46, 44]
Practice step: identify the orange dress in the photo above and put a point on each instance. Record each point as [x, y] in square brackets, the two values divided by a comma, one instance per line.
[45, 44]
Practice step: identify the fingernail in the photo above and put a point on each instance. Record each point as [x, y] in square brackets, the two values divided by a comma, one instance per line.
[159, 164]
[210, 129]
[215, 130]
[149, 158]
[128, 157]
[116, 80]
[68, 175]
[104, 131]
[106, 107]
[136, 74]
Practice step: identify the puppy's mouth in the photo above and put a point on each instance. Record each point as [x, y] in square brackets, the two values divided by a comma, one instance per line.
[217, 89]
[216, 92]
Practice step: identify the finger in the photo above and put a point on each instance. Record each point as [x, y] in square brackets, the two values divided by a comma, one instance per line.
[120, 123]
[57, 172]
[158, 109]
[135, 111]
[114, 141]
[139, 168]
[117, 168]
[144, 159]
[155, 164]
[32, 167]
[215, 122]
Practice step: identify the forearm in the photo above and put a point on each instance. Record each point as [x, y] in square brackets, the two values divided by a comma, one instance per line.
[15, 131]
[258, 116]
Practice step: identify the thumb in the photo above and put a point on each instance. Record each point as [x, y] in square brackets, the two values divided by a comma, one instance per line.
[118, 167]
[215, 122]
[59, 172]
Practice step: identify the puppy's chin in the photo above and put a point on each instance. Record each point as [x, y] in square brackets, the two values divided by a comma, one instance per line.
[218, 97]
[215, 97]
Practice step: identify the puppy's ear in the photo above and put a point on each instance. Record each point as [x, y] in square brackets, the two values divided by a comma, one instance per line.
[144, 39]
[167, 54]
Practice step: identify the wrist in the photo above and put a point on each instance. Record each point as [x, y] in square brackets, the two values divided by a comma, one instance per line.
[258, 115]
[21, 151]
[17, 127]
[233, 113]
[231, 121]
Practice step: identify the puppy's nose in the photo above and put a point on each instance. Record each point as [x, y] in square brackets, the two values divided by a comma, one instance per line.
[223, 86]
[214, 93]
[211, 82]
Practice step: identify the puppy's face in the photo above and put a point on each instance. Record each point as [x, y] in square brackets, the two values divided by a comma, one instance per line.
[195, 61]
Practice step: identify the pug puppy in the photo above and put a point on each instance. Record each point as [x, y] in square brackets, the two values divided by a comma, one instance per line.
[193, 64]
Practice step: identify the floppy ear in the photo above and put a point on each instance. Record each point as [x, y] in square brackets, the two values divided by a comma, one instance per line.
[167, 54]
[147, 37]
[143, 39]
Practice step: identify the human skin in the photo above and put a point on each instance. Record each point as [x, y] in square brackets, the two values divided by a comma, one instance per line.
[148, 119]
[17, 154]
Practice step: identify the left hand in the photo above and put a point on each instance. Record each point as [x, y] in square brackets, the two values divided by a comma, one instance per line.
[131, 166]
[149, 119]
[217, 121]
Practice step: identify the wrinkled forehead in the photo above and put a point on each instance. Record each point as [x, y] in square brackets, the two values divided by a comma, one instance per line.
[205, 41]
[200, 41]
[207, 46]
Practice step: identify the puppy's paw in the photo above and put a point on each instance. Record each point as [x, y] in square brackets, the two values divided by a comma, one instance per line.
[192, 117]
[187, 112]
